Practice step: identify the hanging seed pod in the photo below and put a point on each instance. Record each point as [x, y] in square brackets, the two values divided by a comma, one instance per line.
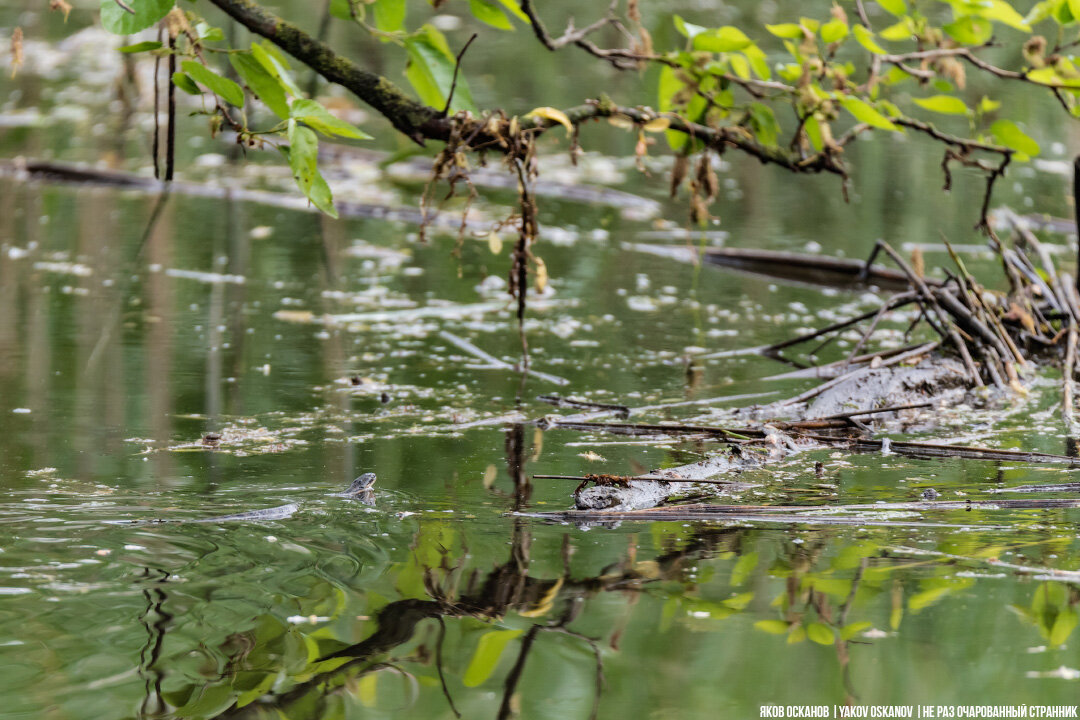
[706, 177]
[678, 173]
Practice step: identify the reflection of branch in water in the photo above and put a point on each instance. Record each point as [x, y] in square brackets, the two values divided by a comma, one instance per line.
[514, 677]
[153, 705]
[506, 588]
[505, 707]
[121, 294]
[515, 465]
[842, 654]
[439, 665]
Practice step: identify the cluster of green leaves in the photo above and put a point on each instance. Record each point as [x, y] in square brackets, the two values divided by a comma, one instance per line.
[266, 73]
[826, 73]
[430, 61]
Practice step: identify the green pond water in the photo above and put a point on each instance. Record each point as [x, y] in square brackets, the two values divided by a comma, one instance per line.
[117, 357]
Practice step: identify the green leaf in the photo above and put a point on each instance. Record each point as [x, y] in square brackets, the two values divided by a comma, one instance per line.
[820, 633]
[813, 132]
[185, 83]
[303, 155]
[773, 627]
[944, 104]
[852, 629]
[267, 87]
[321, 196]
[119, 21]
[1007, 133]
[341, 9]
[1042, 10]
[390, 15]
[207, 33]
[1062, 13]
[274, 63]
[229, 91]
[725, 39]
[896, 7]
[864, 112]
[970, 30]
[788, 31]
[740, 66]
[670, 86]
[834, 31]
[895, 616]
[743, 567]
[207, 701]
[1002, 12]
[488, 651]
[514, 9]
[764, 124]
[987, 105]
[314, 115]
[490, 14]
[687, 30]
[900, 31]
[431, 70]
[738, 602]
[925, 598]
[141, 47]
[265, 684]
[866, 39]
[1063, 626]
[797, 634]
[759, 61]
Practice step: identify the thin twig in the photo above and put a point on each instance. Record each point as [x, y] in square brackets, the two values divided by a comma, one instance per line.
[439, 664]
[457, 68]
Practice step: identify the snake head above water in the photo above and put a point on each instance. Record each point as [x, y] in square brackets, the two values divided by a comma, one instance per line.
[361, 485]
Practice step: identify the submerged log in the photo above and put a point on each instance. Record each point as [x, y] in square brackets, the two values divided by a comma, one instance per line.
[634, 494]
[817, 270]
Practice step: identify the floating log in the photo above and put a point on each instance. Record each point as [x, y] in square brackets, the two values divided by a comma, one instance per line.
[817, 270]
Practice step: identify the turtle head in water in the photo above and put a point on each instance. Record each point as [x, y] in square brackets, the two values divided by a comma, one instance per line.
[361, 485]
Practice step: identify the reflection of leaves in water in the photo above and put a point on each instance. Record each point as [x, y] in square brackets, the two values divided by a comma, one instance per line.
[488, 652]
[1052, 611]
[743, 567]
[820, 633]
[935, 590]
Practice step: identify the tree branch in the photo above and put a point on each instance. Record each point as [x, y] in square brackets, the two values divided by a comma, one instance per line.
[621, 59]
[718, 138]
[414, 119]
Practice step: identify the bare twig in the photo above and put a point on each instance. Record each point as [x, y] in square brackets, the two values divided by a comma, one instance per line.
[457, 68]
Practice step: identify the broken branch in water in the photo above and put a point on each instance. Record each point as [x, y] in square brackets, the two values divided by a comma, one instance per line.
[557, 401]
[856, 514]
[603, 479]
[1045, 572]
[495, 363]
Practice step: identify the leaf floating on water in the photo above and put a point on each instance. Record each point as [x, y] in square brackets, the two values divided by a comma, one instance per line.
[295, 316]
[592, 457]
[490, 473]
